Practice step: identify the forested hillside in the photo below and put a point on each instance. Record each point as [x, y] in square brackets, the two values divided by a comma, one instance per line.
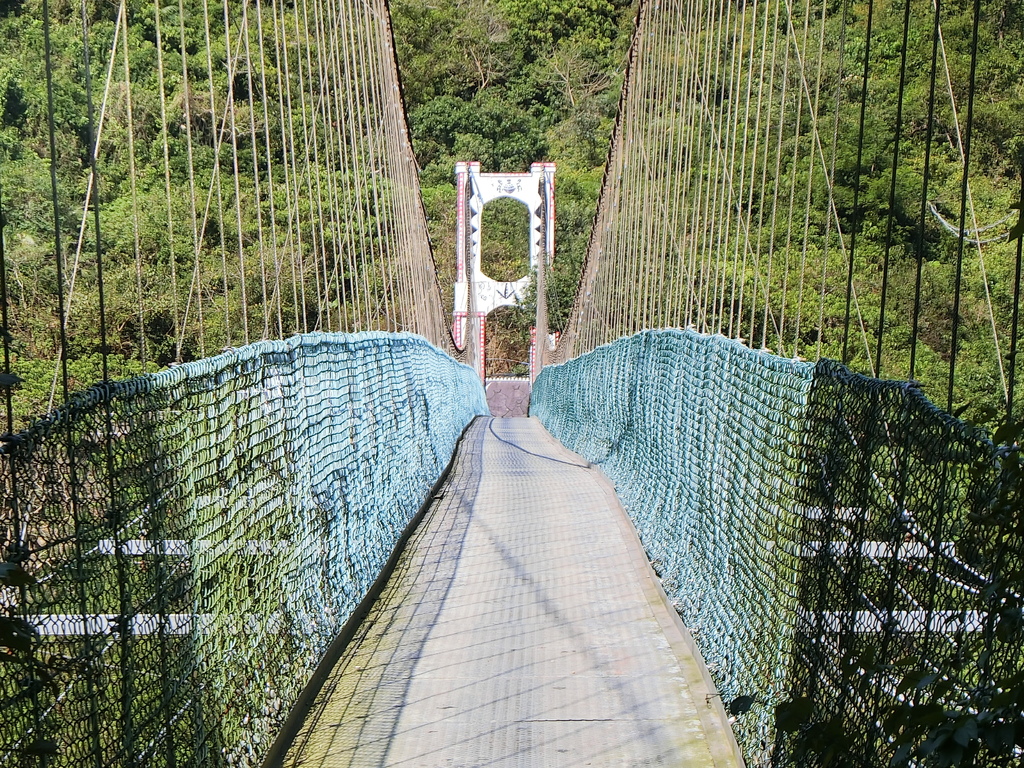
[852, 150]
[510, 83]
[239, 188]
[221, 221]
[238, 192]
[900, 188]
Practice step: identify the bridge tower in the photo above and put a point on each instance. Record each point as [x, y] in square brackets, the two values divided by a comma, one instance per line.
[476, 294]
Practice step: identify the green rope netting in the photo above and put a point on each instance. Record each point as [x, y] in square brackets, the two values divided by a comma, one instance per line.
[817, 530]
[198, 537]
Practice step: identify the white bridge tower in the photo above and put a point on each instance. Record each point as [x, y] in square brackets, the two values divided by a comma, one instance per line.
[476, 294]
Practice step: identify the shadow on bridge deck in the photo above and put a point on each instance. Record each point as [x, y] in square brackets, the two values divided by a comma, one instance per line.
[522, 626]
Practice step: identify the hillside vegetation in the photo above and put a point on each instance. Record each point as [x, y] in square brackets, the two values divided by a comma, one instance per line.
[510, 83]
[505, 82]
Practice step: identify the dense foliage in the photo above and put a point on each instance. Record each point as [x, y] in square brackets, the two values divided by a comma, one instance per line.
[506, 82]
[239, 193]
[510, 83]
[898, 230]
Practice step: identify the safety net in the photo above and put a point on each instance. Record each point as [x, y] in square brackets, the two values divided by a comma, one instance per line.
[701, 437]
[909, 609]
[190, 542]
[828, 539]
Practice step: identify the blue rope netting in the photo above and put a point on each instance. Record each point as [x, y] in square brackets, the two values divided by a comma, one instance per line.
[701, 438]
[823, 535]
[198, 537]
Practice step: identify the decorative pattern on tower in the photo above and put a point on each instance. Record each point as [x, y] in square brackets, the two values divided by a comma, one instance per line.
[476, 294]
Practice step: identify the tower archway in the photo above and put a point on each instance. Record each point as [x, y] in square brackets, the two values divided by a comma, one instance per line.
[505, 240]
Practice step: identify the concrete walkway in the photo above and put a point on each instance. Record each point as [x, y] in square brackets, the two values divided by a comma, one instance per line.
[521, 627]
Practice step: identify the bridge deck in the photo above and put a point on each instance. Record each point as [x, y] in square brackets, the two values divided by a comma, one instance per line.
[522, 627]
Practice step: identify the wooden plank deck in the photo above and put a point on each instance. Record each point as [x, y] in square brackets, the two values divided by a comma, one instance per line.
[522, 626]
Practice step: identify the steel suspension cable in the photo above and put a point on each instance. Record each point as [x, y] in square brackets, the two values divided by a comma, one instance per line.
[954, 344]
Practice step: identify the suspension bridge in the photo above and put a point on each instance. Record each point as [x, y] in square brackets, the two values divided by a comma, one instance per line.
[282, 528]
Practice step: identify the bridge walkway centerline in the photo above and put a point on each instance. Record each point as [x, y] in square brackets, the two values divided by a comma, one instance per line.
[522, 626]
